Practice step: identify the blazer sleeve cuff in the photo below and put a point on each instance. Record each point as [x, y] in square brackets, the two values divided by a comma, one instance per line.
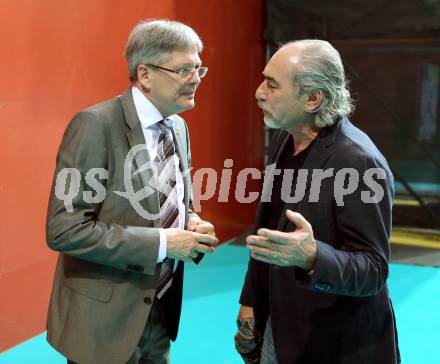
[318, 280]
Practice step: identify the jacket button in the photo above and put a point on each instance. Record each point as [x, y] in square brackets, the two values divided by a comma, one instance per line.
[322, 286]
[147, 300]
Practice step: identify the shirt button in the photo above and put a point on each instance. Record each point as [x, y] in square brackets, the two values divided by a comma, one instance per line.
[147, 300]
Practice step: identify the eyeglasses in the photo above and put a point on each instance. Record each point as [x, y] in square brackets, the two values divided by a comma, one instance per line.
[184, 73]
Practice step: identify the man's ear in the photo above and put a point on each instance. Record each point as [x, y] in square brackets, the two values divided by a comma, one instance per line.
[314, 101]
[144, 76]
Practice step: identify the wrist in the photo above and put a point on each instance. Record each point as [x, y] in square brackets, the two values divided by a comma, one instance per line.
[245, 312]
[309, 263]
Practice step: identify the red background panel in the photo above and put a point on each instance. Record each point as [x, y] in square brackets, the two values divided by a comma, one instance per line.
[59, 57]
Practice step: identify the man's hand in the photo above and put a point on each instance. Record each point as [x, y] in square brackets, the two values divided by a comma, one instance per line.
[297, 248]
[245, 312]
[200, 226]
[185, 245]
[247, 340]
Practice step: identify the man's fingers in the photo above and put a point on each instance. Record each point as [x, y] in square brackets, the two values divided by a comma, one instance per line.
[275, 235]
[205, 238]
[200, 226]
[192, 223]
[205, 227]
[203, 249]
[253, 238]
[298, 220]
[265, 243]
[191, 227]
[260, 257]
[269, 253]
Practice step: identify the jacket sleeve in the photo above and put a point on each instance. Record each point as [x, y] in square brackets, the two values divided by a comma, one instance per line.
[72, 225]
[358, 266]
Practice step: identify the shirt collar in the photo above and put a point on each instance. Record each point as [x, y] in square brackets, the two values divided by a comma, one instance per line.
[147, 112]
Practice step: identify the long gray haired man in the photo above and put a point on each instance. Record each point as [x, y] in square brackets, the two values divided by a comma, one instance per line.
[315, 291]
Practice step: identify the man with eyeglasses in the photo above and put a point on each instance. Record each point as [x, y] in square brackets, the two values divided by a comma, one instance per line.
[128, 228]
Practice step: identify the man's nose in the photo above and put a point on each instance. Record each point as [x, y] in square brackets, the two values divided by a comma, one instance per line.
[260, 95]
[195, 78]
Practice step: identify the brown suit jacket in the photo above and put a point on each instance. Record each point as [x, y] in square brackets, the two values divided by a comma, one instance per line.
[106, 273]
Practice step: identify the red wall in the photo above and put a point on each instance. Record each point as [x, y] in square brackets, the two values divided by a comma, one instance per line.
[58, 57]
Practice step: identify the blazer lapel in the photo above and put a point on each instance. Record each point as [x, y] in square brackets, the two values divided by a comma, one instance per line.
[183, 167]
[179, 147]
[135, 137]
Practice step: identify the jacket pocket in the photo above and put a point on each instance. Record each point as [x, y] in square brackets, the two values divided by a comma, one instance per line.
[95, 289]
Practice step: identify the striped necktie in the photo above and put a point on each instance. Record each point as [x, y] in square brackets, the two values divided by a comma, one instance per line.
[168, 202]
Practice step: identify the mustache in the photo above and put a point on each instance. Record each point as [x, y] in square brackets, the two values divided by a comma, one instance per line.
[262, 106]
[189, 91]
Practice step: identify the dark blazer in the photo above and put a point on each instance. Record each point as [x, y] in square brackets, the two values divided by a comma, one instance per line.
[342, 313]
[106, 273]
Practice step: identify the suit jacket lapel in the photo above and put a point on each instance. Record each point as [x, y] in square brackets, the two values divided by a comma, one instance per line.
[183, 166]
[178, 143]
[135, 137]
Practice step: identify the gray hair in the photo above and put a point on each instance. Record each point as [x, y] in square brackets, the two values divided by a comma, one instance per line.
[321, 69]
[151, 41]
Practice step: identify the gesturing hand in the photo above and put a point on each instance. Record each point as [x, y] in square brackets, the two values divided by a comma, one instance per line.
[185, 245]
[297, 248]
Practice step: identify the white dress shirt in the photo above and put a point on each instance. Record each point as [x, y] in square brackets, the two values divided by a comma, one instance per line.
[149, 116]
